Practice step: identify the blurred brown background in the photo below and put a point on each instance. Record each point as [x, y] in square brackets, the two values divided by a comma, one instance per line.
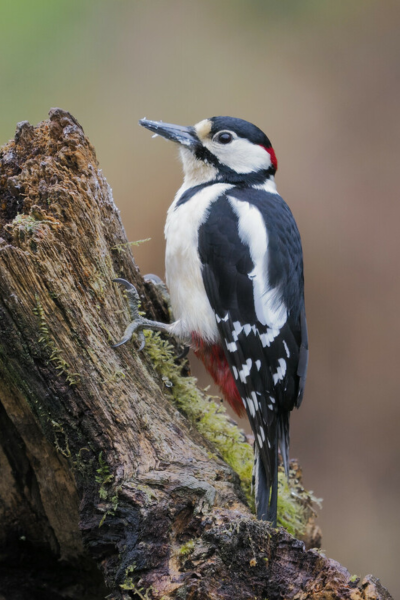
[322, 79]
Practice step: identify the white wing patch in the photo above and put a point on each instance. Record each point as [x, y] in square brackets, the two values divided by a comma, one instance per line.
[237, 329]
[252, 407]
[269, 336]
[219, 319]
[247, 328]
[281, 372]
[268, 304]
[245, 370]
[231, 346]
[286, 349]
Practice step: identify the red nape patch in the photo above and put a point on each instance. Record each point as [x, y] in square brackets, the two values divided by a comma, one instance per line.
[274, 160]
[216, 364]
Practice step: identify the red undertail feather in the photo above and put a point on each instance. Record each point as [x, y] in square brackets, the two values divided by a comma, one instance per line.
[216, 364]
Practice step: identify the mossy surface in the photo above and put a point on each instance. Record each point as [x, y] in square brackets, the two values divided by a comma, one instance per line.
[31, 223]
[123, 247]
[103, 476]
[212, 421]
[106, 490]
[208, 417]
[186, 549]
[139, 592]
[291, 512]
[55, 354]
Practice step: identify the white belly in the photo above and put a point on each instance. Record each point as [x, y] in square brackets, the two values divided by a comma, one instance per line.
[189, 301]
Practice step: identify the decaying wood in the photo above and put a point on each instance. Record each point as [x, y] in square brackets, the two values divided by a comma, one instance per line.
[98, 468]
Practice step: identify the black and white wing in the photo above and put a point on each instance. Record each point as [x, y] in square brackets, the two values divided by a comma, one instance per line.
[252, 268]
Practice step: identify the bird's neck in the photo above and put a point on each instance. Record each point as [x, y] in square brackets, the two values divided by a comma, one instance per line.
[198, 172]
[268, 185]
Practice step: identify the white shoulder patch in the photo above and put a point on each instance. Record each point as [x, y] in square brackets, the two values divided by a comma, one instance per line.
[269, 306]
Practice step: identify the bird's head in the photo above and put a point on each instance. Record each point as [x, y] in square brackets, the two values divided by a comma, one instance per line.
[222, 149]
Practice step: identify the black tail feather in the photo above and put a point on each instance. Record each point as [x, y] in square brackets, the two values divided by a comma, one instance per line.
[273, 503]
[284, 439]
[260, 486]
[265, 490]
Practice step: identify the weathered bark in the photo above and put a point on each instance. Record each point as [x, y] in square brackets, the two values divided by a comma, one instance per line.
[97, 465]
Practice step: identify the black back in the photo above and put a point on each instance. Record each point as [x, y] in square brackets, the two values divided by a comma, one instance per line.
[226, 265]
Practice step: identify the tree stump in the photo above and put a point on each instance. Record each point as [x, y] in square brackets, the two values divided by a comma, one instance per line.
[107, 488]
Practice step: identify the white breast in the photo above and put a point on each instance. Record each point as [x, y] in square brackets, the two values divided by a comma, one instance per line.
[189, 301]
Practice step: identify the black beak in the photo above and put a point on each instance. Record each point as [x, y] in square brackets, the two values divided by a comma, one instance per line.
[176, 133]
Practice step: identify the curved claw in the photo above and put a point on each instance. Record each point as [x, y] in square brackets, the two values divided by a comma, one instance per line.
[138, 322]
[123, 341]
[133, 297]
[128, 333]
[124, 283]
[153, 278]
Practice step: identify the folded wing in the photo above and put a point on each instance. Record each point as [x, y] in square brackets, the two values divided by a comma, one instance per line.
[252, 269]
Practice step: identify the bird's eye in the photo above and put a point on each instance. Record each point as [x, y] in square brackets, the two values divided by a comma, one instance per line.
[224, 137]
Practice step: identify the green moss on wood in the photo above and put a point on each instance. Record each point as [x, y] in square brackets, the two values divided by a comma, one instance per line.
[291, 513]
[209, 417]
[130, 586]
[103, 477]
[107, 491]
[30, 224]
[121, 248]
[186, 549]
[212, 421]
[55, 354]
[59, 434]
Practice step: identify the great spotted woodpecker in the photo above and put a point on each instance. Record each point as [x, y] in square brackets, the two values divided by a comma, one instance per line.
[234, 269]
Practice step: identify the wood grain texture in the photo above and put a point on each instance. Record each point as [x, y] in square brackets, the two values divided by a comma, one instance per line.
[98, 467]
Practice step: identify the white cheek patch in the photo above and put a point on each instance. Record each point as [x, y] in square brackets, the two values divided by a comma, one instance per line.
[240, 155]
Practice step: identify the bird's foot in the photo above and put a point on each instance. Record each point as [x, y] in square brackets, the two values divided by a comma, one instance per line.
[138, 323]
